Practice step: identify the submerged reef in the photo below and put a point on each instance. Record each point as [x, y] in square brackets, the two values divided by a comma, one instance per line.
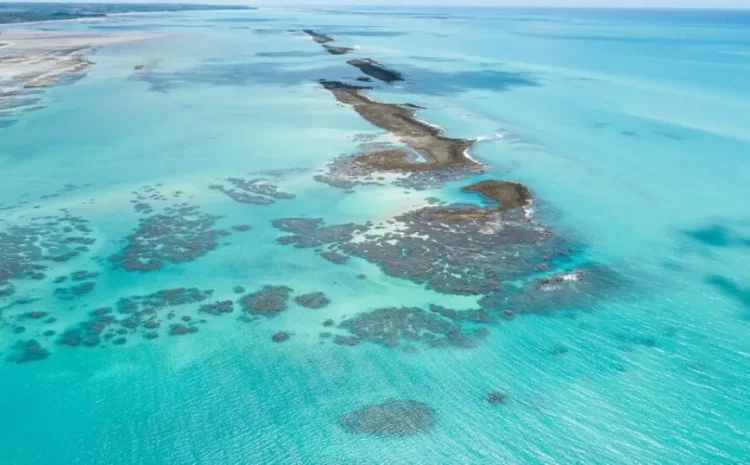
[27, 251]
[394, 418]
[28, 351]
[268, 302]
[392, 327]
[252, 191]
[454, 249]
[139, 313]
[313, 300]
[179, 234]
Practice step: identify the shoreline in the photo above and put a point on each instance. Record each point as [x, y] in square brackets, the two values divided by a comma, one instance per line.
[127, 13]
[31, 61]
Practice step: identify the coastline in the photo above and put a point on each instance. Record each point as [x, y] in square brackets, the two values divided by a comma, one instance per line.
[34, 60]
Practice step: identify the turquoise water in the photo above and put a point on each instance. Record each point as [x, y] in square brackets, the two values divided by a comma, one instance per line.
[632, 129]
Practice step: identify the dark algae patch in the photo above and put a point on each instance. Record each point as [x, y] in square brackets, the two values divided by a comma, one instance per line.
[394, 418]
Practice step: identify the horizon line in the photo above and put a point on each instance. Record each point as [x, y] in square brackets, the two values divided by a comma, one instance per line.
[377, 4]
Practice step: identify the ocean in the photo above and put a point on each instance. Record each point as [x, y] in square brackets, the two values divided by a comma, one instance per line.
[161, 306]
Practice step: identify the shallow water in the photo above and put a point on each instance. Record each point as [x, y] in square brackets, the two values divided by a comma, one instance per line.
[630, 127]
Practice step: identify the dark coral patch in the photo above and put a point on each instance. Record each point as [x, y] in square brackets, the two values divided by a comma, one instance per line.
[390, 327]
[313, 300]
[394, 418]
[28, 351]
[345, 340]
[281, 337]
[218, 308]
[496, 397]
[180, 234]
[26, 250]
[457, 249]
[75, 291]
[268, 302]
[180, 330]
[84, 275]
[252, 191]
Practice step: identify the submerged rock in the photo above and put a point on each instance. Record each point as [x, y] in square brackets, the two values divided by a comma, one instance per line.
[28, 351]
[179, 234]
[217, 308]
[313, 300]
[390, 327]
[394, 418]
[496, 397]
[268, 302]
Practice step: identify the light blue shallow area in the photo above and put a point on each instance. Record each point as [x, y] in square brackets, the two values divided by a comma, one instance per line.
[632, 128]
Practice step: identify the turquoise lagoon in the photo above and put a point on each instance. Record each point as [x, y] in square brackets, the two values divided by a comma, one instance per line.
[632, 128]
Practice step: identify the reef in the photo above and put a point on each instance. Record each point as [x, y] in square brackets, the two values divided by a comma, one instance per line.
[508, 194]
[424, 139]
[393, 327]
[394, 418]
[180, 330]
[335, 50]
[375, 70]
[578, 288]
[496, 397]
[180, 234]
[252, 191]
[281, 337]
[75, 291]
[26, 251]
[313, 300]
[268, 302]
[217, 308]
[28, 351]
[455, 249]
[318, 37]
[131, 314]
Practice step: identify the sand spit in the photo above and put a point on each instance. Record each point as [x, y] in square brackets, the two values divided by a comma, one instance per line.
[31, 61]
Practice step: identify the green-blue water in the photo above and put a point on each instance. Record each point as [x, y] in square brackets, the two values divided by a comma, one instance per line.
[632, 128]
